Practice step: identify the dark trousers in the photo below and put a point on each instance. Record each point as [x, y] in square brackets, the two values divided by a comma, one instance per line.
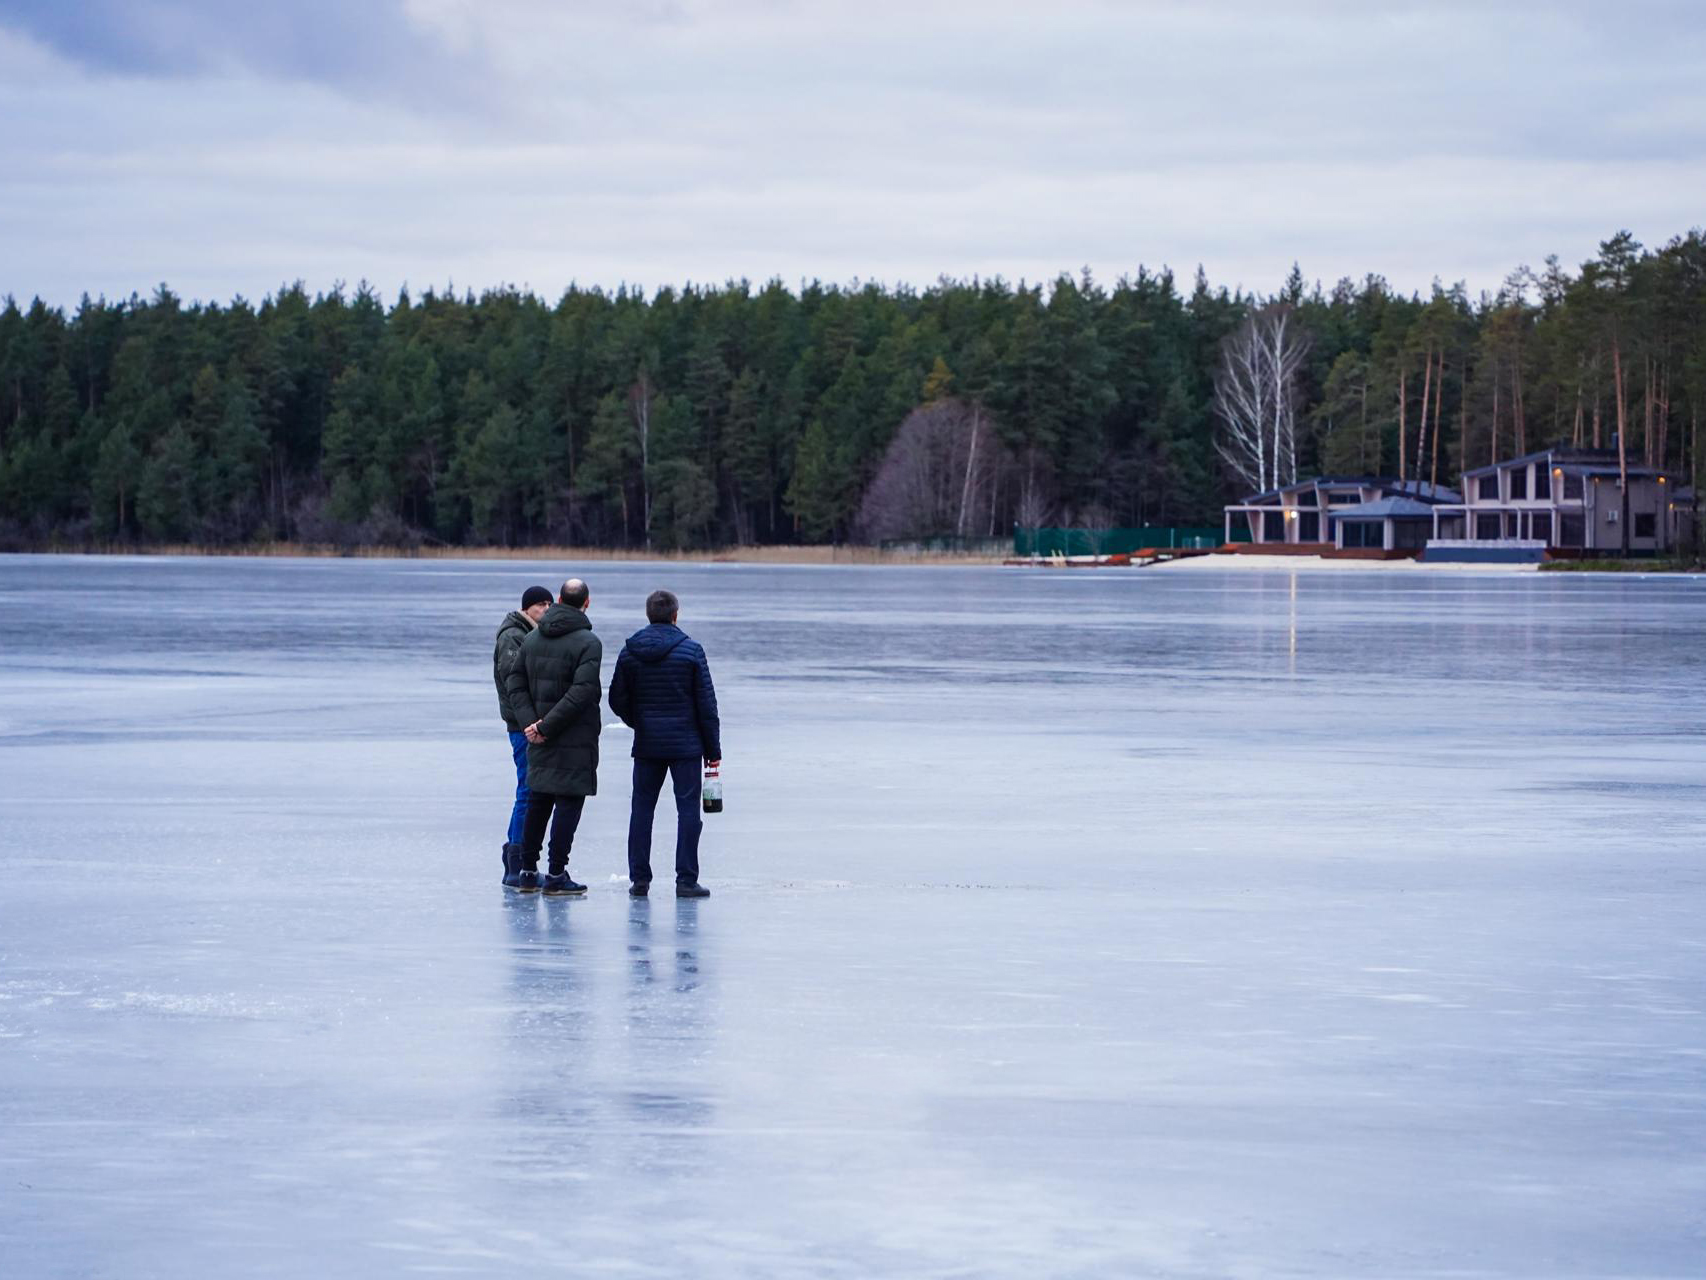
[518, 811]
[540, 810]
[648, 782]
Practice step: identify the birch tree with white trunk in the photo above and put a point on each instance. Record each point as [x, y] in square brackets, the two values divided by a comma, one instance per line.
[1255, 396]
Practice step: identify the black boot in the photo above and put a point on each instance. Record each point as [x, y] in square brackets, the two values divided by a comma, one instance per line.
[638, 888]
[529, 880]
[558, 885]
[692, 889]
[512, 866]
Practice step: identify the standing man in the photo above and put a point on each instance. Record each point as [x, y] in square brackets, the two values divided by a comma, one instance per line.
[534, 602]
[554, 690]
[662, 690]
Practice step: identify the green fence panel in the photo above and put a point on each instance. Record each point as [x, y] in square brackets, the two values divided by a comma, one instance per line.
[1107, 542]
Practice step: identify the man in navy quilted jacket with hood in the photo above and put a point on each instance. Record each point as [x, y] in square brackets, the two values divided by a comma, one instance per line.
[662, 690]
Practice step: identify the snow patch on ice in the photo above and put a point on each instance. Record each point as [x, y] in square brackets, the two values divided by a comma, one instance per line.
[195, 1006]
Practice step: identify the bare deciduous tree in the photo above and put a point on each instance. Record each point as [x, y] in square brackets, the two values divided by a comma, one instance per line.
[934, 474]
[1255, 394]
[1033, 510]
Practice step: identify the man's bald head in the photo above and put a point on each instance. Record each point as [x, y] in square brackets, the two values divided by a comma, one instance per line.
[574, 594]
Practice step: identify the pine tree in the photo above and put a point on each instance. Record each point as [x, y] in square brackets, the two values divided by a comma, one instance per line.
[817, 495]
[166, 495]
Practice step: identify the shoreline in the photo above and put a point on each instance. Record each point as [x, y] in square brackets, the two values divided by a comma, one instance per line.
[810, 556]
[780, 555]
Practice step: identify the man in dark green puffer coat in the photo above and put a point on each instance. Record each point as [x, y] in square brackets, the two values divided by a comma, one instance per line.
[554, 691]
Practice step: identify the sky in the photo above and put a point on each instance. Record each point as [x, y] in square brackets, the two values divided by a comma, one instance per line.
[229, 148]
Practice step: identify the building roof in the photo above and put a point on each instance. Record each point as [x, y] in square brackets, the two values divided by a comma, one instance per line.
[1393, 508]
[1386, 484]
[1527, 458]
[1423, 492]
[1638, 470]
[1571, 461]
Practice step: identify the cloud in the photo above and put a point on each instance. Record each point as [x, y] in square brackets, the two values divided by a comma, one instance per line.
[347, 43]
[541, 142]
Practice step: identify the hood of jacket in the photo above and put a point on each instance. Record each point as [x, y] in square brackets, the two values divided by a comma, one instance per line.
[656, 642]
[560, 619]
[516, 620]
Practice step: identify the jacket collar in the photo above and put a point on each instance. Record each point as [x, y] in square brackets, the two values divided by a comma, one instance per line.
[560, 619]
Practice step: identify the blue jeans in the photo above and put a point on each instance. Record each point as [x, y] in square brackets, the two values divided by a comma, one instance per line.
[648, 782]
[518, 815]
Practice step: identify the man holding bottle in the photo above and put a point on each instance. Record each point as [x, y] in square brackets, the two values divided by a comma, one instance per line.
[662, 690]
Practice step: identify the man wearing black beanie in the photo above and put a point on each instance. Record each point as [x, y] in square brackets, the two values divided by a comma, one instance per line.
[534, 602]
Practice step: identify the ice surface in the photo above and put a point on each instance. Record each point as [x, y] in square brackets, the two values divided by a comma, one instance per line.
[1066, 924]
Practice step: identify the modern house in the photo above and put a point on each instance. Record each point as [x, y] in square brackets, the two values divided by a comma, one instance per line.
[1559, 499]
[1394, 523]
[1342, 511]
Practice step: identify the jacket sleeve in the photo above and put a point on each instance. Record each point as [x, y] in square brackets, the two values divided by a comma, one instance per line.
[622, 688]
[583, 693]
[503, 660]
[705, 700]
[515, 685]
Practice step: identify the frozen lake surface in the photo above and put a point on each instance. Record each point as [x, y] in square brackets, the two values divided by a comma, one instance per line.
[1066, 924]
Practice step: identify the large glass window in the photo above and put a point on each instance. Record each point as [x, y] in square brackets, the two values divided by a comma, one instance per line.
[1407, 535]
[1645, 524]
[1572, 488]
[1309, 527]
[1542, 482]
[1487, 488]
[1572, 531]
[1519, 483]
[1348, 498]
[1364, 533]
[1487, 527]
[1273, 526]
[1540, 525]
